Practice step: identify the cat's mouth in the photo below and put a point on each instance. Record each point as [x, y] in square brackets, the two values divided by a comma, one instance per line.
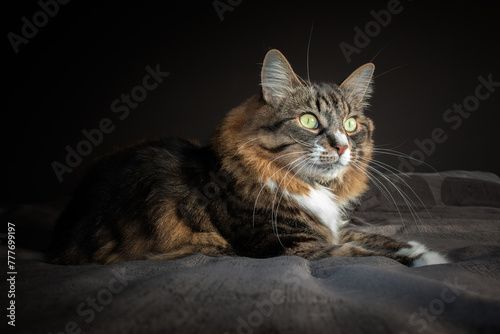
[331, 161]
[327, 167]
[327, 170]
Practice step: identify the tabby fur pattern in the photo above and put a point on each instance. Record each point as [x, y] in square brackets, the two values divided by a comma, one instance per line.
[266, 186]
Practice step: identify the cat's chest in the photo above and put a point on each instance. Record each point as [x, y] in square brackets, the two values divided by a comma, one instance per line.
[321, 203]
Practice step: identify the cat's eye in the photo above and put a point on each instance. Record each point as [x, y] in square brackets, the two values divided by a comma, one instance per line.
[309, 121]
[350, 125]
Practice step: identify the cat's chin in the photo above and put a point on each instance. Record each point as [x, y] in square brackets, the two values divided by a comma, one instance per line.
[326, 173]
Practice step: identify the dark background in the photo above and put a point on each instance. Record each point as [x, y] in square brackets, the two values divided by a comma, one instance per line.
[65, 78]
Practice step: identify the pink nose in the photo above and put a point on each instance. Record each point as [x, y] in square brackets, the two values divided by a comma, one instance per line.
[341, 149]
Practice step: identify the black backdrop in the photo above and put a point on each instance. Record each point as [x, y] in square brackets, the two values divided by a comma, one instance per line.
[65, 78]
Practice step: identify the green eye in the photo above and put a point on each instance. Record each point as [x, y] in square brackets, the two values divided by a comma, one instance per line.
[350, 125]
[309, 121]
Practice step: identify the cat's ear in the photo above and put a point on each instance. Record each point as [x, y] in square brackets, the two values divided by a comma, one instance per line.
[358, 86]
[277, 78]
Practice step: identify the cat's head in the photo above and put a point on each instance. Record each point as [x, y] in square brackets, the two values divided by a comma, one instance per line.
[315, 132]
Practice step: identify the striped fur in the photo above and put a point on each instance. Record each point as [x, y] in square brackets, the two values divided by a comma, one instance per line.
[265, 186]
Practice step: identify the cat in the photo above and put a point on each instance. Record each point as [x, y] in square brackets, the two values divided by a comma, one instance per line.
[278, 178]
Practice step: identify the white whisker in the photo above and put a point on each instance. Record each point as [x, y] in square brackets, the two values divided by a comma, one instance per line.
[302, 164]
[395, 68]
[308, 49]
[409, 202]
[388, 168]
[302, 142]
[274, 223]
[241, 146]
[270, 178]
[383, 190]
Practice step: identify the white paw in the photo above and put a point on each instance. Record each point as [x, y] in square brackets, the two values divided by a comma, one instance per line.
[429, 258]
[424, 257]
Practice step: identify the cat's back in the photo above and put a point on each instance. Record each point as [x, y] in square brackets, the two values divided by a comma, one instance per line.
[122, 194]
[135, 171]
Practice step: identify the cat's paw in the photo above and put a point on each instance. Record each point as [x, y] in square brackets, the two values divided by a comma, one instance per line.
[421, 255]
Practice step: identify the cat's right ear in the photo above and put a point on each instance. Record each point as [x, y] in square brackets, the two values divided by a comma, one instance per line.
[277, 78]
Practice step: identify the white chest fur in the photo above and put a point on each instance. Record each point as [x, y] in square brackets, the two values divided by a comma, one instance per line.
[321, 203]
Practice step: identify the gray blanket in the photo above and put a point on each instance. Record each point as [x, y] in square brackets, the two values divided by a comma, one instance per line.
[456, 213]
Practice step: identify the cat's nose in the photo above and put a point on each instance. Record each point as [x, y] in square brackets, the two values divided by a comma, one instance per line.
[340, 149]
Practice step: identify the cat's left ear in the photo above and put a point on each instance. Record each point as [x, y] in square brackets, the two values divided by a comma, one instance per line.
[277, 78]
[358, 86]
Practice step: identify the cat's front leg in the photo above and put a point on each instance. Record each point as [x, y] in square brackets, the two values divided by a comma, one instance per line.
[316, 251]
[420, 255]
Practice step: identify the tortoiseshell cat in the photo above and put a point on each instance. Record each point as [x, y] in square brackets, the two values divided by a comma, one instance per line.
[277, 179]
